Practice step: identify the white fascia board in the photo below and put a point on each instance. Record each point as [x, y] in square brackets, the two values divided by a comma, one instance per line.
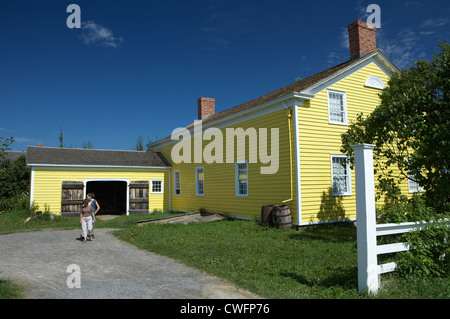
[375, 57]
[98, 167]
[271, 106]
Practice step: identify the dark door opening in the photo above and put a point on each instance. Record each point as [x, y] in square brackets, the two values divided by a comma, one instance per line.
[111, 196]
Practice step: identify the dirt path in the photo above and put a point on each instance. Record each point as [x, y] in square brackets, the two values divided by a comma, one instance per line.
[108, 268]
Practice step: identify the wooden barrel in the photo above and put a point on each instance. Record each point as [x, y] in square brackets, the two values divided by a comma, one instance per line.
[282, 216]
[266, 215]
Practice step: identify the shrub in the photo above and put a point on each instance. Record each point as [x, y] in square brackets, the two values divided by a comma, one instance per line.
[429, 253]
[17, 202]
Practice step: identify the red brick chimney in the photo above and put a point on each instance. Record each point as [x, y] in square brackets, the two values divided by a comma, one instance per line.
[206, 106]
[362, 39]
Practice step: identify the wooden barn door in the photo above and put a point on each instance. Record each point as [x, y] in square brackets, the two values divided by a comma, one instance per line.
[138, 197]
[71, 198]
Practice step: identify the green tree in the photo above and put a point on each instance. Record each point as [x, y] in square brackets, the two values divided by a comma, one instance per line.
[61, 137]
[139, 145]
[87, 145]
[14, 177]
[4, 145]
[410, 129]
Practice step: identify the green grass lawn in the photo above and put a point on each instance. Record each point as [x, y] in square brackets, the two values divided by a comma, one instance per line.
[316, 262]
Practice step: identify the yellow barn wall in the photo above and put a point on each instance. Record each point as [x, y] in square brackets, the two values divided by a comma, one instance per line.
[219, 185]
[47, 185]
[318, 140]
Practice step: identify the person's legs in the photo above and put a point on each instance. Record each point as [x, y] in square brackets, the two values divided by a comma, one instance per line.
[84, 227]
[93, 224]
[89, 226]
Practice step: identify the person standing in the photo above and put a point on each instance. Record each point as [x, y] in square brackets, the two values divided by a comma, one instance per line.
[96, 207]
[86, 219]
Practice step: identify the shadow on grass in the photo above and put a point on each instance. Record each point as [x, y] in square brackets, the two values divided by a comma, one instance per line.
[336, 233]
[345, 278]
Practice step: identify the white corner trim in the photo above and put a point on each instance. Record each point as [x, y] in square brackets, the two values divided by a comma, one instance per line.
[298, 189]
[32, 186]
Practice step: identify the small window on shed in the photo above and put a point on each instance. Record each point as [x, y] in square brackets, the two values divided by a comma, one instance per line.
[157, 186]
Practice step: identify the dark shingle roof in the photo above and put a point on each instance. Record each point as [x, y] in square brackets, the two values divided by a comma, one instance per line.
[13, 155]
[292, 88]
[76, 156]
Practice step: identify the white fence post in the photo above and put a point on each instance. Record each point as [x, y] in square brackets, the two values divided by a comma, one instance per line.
[366, 218]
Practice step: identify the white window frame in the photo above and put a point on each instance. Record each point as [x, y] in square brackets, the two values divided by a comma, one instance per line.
[413, 186]
[237, 184]
[344, 100]
[348, 192]
[196, 181]
[175, 180]
[162, 186]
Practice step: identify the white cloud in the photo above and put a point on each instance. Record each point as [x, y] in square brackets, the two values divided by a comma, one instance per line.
[439, 22]
[402, 49]
[426, 32]
[94, 33]
[24, 140]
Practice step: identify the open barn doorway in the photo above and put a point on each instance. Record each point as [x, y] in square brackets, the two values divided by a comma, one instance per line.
[111, 196]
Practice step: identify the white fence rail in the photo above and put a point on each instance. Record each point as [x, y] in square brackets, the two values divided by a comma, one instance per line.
[367, 229]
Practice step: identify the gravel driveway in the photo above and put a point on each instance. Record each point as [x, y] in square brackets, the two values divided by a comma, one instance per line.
[108, 268]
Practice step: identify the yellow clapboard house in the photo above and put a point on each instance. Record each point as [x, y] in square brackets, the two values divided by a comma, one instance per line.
[280, 149]
[219, 163]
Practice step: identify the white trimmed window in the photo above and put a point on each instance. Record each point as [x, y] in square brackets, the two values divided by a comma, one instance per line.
[157, 186]
[241, 172]
[340, 175]
[176, 182]
[337, 107]
[199, 181]
[413, 186]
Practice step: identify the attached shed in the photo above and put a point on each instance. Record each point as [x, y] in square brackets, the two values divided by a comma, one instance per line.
[124, 182]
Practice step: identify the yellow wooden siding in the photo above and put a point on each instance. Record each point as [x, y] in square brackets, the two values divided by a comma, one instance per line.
[48, 182]
[220, 184]
[318, 140]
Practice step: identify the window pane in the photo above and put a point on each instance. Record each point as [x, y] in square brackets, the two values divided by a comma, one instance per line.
[242, 178]
[156, 186]
[177, 183]
[340, 175]
[337, 107]
[200, 181]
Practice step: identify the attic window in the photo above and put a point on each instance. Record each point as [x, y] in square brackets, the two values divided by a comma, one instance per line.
[375, 82]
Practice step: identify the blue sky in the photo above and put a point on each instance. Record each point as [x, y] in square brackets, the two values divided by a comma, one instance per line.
[137, 67]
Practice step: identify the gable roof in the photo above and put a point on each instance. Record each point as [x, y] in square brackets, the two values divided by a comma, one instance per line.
[298, 87]
[48, 156]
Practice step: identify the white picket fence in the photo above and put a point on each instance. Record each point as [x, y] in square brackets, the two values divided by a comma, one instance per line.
[367, 230]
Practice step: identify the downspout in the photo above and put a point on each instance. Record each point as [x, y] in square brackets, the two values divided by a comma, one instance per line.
[289, 116]
[170, 189]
